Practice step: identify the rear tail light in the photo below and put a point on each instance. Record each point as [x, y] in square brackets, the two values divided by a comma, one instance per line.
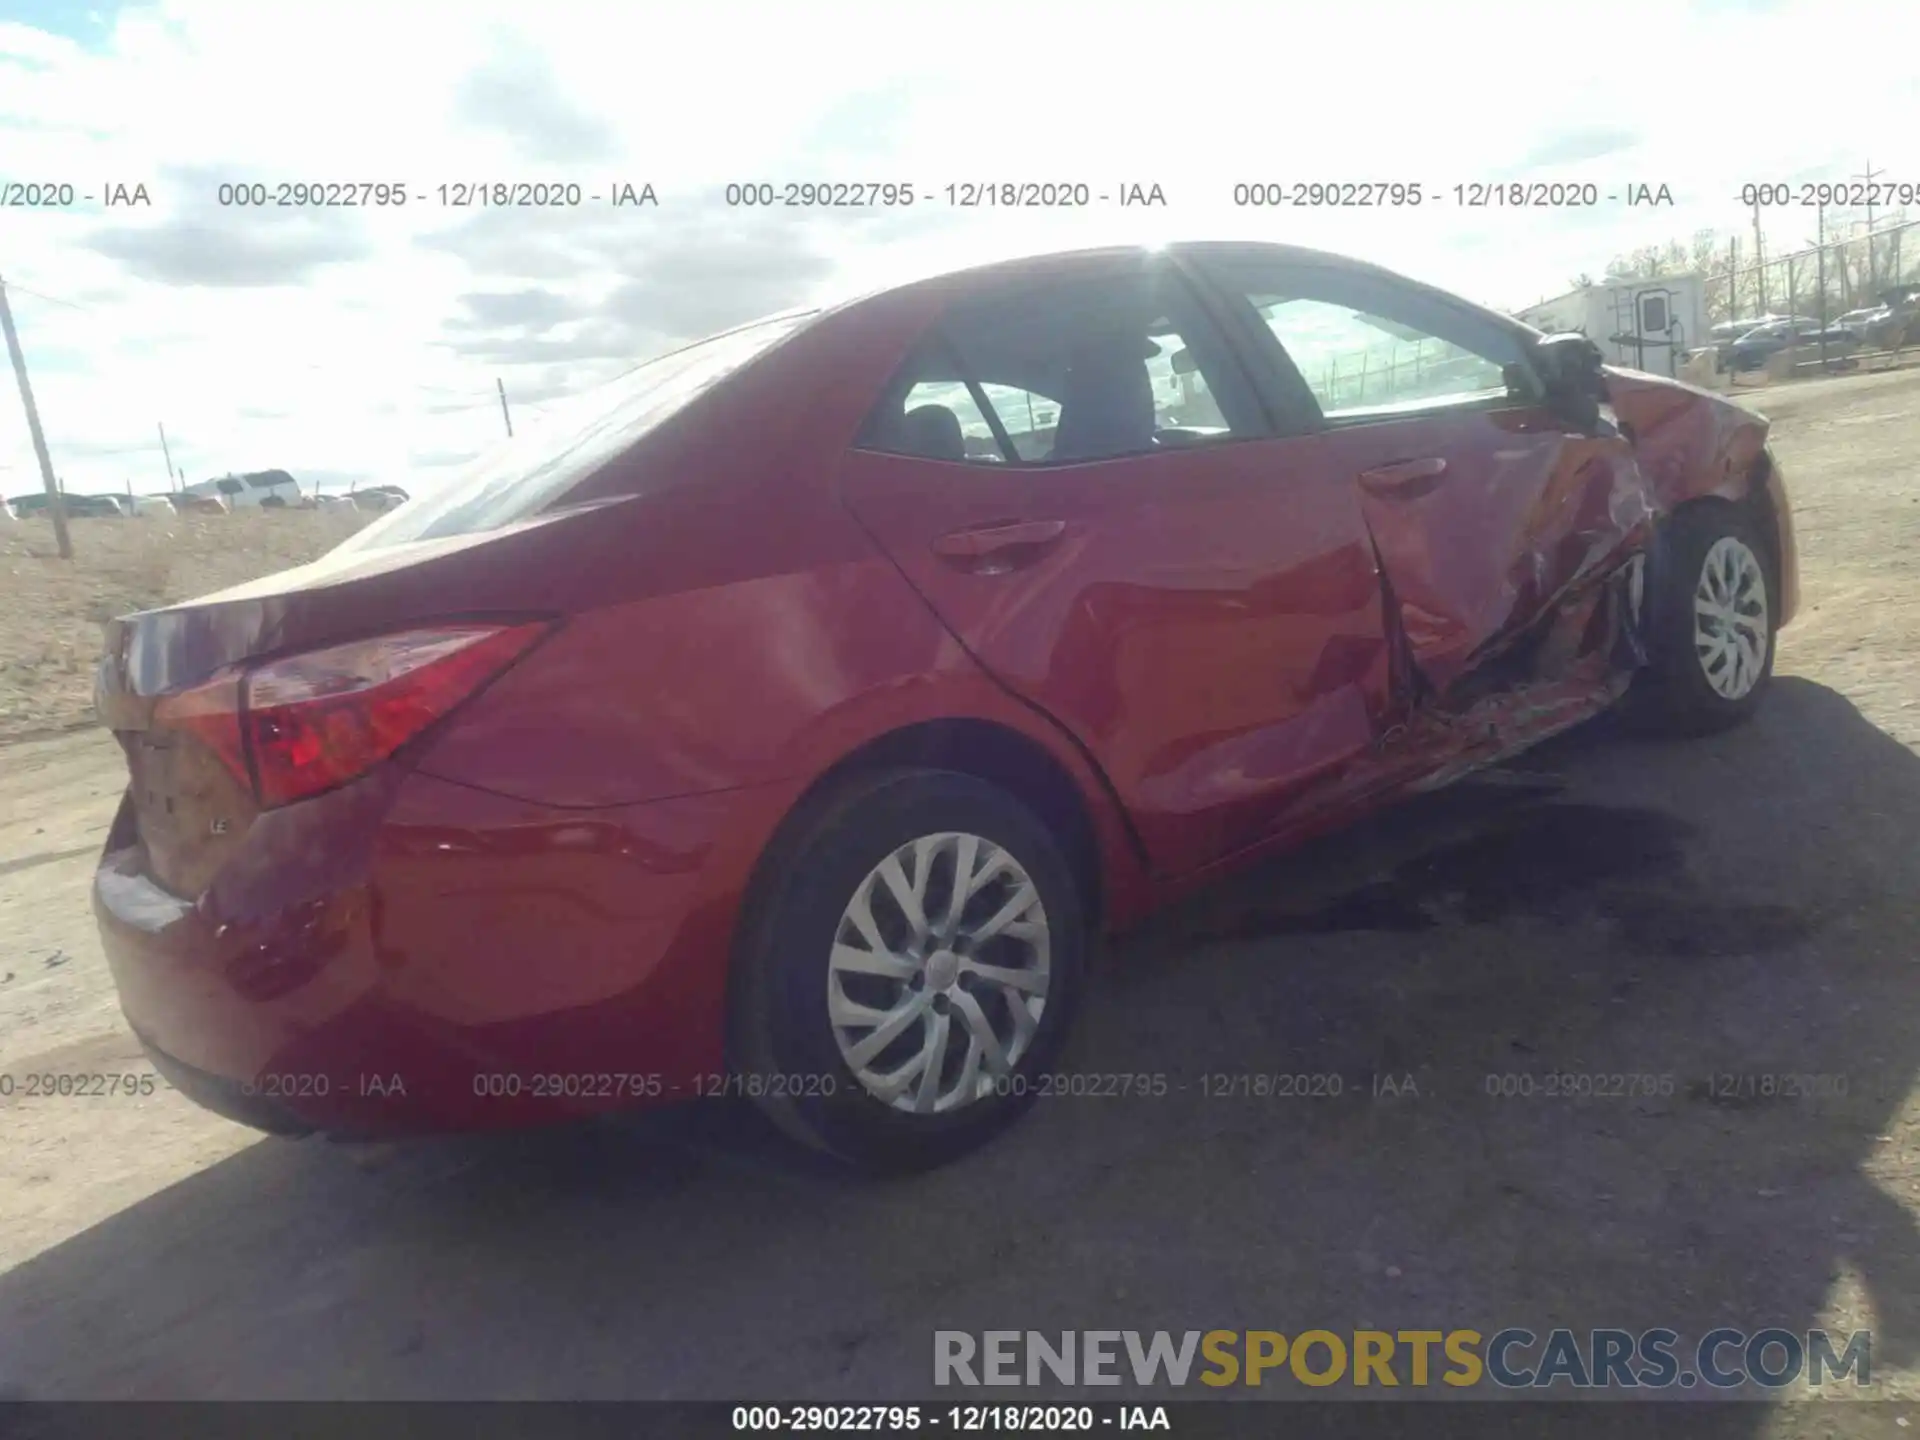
[295, 727]
[212, 713]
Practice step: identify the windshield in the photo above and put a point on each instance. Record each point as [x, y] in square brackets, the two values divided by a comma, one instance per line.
[526, 473]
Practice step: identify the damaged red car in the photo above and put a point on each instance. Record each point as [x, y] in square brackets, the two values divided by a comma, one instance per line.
[789, 720]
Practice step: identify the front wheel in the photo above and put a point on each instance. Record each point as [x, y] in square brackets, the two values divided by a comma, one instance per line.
[909, 965]
[1710, 625]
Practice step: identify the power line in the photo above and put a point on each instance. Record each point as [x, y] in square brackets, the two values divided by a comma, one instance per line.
[461, 392]
[50, 299]
[475, 397]
[1869, 175]
[94, 453]
[450, 392]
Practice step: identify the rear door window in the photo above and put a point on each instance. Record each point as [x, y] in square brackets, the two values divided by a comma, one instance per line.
[1065, 373]
[1029, 419]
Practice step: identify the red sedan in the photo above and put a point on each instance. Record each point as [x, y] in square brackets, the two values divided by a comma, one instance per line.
[789, 720]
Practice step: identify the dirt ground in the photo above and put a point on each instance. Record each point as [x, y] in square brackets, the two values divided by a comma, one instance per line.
[1740, 907]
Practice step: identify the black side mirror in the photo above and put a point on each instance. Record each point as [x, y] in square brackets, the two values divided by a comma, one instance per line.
[1573, 369]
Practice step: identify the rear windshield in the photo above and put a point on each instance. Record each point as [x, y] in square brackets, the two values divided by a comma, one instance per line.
[523, 475]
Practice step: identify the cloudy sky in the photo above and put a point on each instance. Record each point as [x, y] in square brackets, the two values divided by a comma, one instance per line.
[366, 343]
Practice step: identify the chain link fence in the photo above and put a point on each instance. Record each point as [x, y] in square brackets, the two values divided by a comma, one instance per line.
[1851, 272]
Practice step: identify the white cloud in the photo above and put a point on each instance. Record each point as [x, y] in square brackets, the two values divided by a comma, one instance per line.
[367, 342]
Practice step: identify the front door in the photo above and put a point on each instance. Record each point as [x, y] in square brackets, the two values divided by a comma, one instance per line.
[1485, 507]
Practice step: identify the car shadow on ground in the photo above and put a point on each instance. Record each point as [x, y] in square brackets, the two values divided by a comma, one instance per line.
[1703, 915]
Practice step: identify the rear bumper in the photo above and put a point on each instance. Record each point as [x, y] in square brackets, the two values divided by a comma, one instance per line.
[233, 1099]
[410, 955]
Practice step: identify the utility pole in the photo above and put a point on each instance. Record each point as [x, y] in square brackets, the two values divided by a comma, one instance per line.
[56, 506]
[1760, 259]
[167, 454]
[501, 386]
[1873, 276]
[1820, 251]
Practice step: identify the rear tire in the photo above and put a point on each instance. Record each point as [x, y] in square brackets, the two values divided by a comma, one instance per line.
[1710, 625]
[895, 1041]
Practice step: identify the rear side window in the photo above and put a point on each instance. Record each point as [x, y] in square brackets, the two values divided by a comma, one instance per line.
[1066, 373]
[538, 466]
[977, 442]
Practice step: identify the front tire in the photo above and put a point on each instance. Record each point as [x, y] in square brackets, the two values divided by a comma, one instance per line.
[1710, 625]
[910, 962]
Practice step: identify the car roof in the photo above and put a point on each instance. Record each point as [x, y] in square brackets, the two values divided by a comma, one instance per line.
[1047, 263]
[1059, 264]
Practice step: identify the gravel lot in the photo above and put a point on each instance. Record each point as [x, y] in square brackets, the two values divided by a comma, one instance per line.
[1746, 906]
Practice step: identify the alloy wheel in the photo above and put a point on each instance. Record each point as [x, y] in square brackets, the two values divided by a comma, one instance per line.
[1730, 618]
[939, 973]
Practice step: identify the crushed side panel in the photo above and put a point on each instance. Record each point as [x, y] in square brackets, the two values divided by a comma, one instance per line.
[1479, 563]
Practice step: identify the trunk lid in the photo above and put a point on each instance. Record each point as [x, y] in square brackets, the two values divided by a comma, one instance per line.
[189, 813]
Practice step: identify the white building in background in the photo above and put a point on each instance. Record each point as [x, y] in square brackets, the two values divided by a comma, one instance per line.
[1639, 324]
[260, 487]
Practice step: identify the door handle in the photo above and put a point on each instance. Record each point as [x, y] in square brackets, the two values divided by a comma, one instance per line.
[987, 540]
[1406, 476]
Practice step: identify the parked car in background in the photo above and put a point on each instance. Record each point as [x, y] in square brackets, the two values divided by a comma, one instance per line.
[748, 722]
[1857, 320]
[111, 507]
[244, 492]
[1754, 349]
[1728, 331]
[147, 506]
[190, 502]
[378, 498]
[1896, 324]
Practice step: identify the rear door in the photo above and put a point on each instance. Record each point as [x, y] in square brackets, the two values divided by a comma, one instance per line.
[1079, 479]
[1487, 510]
